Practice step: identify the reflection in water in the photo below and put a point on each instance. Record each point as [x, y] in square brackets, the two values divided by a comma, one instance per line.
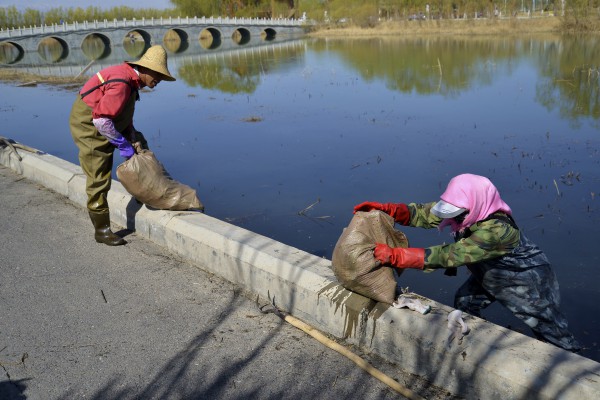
[424, 65]
[212, 75]
[448, 66]
[570, 74]
[237, 72]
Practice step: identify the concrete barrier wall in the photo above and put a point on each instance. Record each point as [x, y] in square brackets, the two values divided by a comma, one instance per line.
[491, 362]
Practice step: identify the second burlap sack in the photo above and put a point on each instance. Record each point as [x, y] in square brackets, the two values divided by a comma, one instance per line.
[353, 262]
[145, 178]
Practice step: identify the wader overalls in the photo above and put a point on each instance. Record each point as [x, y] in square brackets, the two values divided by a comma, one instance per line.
[96, 160]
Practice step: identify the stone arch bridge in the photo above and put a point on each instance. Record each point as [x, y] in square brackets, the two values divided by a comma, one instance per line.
[96, 39]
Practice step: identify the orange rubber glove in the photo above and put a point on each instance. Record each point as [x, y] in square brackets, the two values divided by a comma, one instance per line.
[398, 211]
[399, 257]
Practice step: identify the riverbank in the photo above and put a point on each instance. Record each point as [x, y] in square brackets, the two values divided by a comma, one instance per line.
[29, 79]
[482, 26]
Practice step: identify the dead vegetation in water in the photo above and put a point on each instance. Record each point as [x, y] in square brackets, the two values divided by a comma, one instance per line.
[253, 118]
[303, 212]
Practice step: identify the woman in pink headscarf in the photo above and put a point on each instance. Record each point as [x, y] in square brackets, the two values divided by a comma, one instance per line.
[504, 264]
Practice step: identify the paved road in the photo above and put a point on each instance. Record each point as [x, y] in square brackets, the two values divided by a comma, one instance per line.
[84, 320]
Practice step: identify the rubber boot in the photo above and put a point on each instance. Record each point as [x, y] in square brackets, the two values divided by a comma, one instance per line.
[103, 233]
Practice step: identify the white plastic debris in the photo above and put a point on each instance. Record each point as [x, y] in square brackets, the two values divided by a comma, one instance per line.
[457, 328]
[411, 304]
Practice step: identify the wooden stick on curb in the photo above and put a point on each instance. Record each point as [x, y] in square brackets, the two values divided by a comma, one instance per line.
[342, 350]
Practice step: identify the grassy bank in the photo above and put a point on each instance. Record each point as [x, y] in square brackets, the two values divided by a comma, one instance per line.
[29, 79]
[481, 26]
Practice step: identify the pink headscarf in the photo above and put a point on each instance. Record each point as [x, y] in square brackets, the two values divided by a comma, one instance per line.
[475, 193]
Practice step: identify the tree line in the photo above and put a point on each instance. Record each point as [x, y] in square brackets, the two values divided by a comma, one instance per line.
[11, 17]
[355, 12]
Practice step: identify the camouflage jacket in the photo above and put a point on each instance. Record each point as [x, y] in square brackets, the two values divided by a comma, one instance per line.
[485, 240]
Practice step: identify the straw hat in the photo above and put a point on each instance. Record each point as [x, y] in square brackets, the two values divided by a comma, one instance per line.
[155, 58]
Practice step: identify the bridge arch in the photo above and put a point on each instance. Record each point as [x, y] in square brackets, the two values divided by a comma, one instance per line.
[176, 40]
[136, 42]
[11, 52]
[96, 46]
[268, 34]
[241, 36]
[210, 38]
[53, 49]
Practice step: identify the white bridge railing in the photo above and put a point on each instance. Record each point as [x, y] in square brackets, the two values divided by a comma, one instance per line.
[132, 23]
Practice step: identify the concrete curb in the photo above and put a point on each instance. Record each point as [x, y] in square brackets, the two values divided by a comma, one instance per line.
[491, 362]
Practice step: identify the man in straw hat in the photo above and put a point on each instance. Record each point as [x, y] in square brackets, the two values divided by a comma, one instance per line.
[101, 121]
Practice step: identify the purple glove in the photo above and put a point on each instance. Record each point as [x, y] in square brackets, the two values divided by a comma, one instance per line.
[125, 148]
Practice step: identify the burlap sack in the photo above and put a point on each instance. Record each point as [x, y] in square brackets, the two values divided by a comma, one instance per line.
[146, 179]
[353, 261]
